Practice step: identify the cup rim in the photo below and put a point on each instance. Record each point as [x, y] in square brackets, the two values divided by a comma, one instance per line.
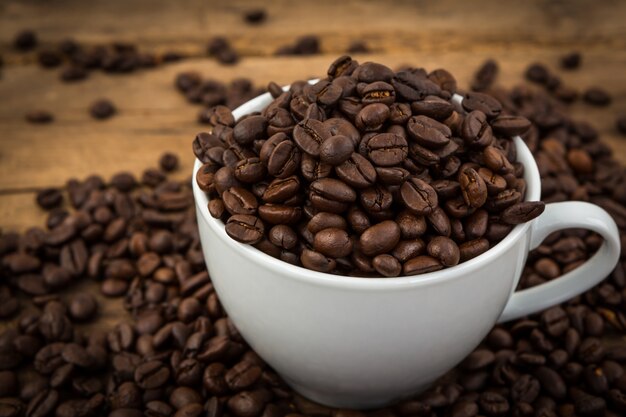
[278, 266]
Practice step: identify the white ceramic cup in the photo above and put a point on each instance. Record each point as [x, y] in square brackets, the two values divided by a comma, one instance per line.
[367, 342]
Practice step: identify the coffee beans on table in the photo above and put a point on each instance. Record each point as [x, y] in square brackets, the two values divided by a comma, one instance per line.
[566, 361]
[370, 140]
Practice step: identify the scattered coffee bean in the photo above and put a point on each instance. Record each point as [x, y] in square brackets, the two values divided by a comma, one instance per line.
[25, 40]
[571, 60]
[102, 109]
[486, 75]
[49, 198]
[168, 162]
[182, 353]
[255, 16]
[39, 117]
[597, 97]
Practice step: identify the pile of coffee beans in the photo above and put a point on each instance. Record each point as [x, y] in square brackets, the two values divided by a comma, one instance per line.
[178, 354]
[368, 172]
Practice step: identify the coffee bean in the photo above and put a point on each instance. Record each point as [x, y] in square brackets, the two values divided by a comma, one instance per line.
[473, 188]
[555, 321]
[42, 404]
[245, 228]
[510, 125]
[483, 102]
[493, 404]
[25, 40]
[522, 212]
[333, 242]
[309, 136]
[597, 97]
[551, 382]
[168, 162]
[428, 132]
[336, 149]
[247, 404]
[571, 60]
[433, 107]
[380, 238]
[151, 375]
[39, 117]
[387, 265]
[102, 109]
[385, 149]
[83, 307]
[485, 76]
[418, 196]
[49, 198]
[317, 261]
[420, 265]
[243, 375]
[445, 250]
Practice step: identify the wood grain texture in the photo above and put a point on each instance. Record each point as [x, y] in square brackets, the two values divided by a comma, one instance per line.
[403, 25]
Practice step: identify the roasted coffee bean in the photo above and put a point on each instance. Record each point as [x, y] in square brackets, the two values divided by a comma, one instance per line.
[25, 40]
[418, 196]
[42, 404]
[428, 132]
[83, 307]
[510, 125]
[238, 200]
[325, 220]
[522, 212]
[151, 375]
[473, 188]
[357, 171]
[316, 261]
[372, 117]
[597, 97]
[387, 265]
[102, 109]
[49, 198]
[385, 149]
[380, 238]
[445, 250]
[420, 265]
[336, 149]
[39, 117]
[245, 228]
[571, 60]
[551, 382]
[378, 92]
[411, 87]
[485, 76]
[250, 129]
[433, 107]
[309, 136]
[333, 242]
[169, 161]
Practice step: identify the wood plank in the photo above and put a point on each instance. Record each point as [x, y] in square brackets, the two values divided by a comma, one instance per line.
[400, 26]
[154, 117]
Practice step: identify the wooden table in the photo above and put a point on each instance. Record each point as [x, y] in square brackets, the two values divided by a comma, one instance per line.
[153, 117]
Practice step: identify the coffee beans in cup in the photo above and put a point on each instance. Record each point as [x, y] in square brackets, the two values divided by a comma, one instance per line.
[368, 172]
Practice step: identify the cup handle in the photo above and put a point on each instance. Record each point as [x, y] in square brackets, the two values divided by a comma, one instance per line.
[557, 216]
